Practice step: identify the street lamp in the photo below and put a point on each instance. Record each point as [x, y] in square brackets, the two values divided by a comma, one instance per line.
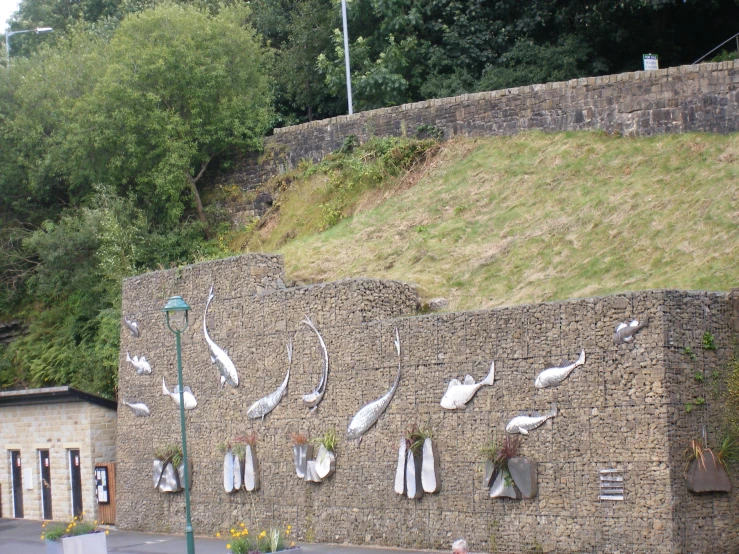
[177, 304]
[346, 58]
[37, 30]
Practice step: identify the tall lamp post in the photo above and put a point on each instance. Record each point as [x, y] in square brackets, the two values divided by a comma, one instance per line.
[177, 304]
[346, 58]
[37, 30]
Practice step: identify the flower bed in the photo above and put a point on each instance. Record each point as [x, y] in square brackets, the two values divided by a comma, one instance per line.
[272, 540]
[77, 536]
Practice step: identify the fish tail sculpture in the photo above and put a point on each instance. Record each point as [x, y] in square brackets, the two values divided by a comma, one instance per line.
[265, 405]
[369, 414]
[218, 356]
[314, 398]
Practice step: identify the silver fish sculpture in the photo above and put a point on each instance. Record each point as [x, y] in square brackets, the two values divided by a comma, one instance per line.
[141, 365]
[187, 395]
[314, 398]
[218, 356]
[133, 327]
[265, 405]
[369, 414]
[523, 423]
[458, 394]
[553, 376]
[139, 409]
[625, 333]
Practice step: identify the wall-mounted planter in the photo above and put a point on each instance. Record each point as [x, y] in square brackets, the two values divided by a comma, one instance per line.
[413, 484]
[523, 472]
[325, 462]
[707, 475]
[400, 471]
[489, 474]
[167, 479]
[502, 489]
[228, 471]
[251, 468]
[430, 475]
[93, 543]
[302, 453]
[311, 475]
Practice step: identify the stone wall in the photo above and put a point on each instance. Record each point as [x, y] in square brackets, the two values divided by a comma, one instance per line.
[674, 100]
[624, 409]
[56, 427]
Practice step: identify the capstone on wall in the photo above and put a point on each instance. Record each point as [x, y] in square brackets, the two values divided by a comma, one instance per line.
[624, 409]
[58, 428]
[674, 100]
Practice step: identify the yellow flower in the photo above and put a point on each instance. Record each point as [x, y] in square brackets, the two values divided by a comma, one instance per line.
[262, 534]
[228, 546]
[42, 537]
[106, 531]
[292, 544]
[218, 535]
[95, 522]
[289, 527]
[243, 525]
[232, 530]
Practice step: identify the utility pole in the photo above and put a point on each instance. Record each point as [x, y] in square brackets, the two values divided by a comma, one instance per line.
[346, 59]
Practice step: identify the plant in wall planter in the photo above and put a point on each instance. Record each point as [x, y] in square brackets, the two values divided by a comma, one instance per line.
[302, 452]
[75, 537]
[506, 473]
[169, 469]
[706, 467]
[240, 468]
[418, 464]
[325, 462]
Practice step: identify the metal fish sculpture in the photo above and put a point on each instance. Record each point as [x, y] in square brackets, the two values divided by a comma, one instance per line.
[133, 327]
[217, 355]
[553, 376]
[369, 414]
[265, 405]
[314, 398]
[189, 398]
[625, 333]
[523, 423]
[141, 365]
[458, 394]
[139, 409]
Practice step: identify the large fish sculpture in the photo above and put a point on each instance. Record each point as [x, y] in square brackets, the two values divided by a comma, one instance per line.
[369, 414]
[187, 395]
[218, 356]
[314, 398]
[625, 333]
[523, 423]
[139, 409]
[553, 376]
[265, 405]
[133, 327]
[141, 365]
[458, 394]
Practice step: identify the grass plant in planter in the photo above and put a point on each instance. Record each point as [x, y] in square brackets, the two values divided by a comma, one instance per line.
[706, 469]
[272, 540]
[421, 465]
[302, 452]
[326, 455]
[169, 469]
[77, 536]
[506, 473]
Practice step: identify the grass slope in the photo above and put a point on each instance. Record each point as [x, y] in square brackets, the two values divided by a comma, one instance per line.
[532, 217]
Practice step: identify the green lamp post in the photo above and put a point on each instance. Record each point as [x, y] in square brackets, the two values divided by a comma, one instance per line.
[177, 304]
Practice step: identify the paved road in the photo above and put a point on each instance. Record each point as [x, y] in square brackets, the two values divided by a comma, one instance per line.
[22, 536]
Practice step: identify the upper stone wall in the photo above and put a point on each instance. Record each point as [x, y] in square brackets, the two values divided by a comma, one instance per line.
[674, 100]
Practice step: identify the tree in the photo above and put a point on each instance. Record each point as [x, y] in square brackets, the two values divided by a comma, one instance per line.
[181, 87]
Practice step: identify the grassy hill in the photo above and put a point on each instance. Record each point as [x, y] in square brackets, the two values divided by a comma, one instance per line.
[511, 220]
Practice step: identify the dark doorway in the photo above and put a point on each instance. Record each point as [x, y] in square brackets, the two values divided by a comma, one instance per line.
[45, 472]
[76, 477]
[15, 461]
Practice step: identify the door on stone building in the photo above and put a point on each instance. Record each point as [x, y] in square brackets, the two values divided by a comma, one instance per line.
[75, 476]
[16, 475]
[45, 473]
[105, 492]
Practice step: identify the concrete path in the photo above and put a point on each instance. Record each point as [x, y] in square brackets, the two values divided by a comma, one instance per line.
[22, 536]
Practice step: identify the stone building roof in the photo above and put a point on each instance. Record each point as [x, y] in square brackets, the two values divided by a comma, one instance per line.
[49, 395]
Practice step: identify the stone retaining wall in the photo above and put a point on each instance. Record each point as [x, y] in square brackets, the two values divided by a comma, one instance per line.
[624, 409]
[674, 100]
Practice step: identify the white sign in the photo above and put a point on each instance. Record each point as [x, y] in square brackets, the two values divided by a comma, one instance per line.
[650, 62]
[28, 478]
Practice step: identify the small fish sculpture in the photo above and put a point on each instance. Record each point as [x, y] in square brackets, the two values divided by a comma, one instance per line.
[218, 356]
[524, 423]
[553, 376]
[314, 398]
[369, 414]
[141, 365]
[133, 327]
[265, 405]
[187, 395]
[139, 409]
[458, 394]
[625, 333]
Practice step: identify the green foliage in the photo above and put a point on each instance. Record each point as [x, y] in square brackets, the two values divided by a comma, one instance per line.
[699, 376]
[74, 528]
[689, 352]
[169, 453]
[328, 440]
[416, 436]
[727, 451]
[707, 342]
[270, 540]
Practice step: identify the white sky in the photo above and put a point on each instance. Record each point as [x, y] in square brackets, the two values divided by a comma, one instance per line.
[7, 7]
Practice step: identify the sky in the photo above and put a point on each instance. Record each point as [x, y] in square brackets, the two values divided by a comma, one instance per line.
[7, 7]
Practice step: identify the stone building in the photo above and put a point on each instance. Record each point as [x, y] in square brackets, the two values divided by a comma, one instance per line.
[623, 411]
[53, 438]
